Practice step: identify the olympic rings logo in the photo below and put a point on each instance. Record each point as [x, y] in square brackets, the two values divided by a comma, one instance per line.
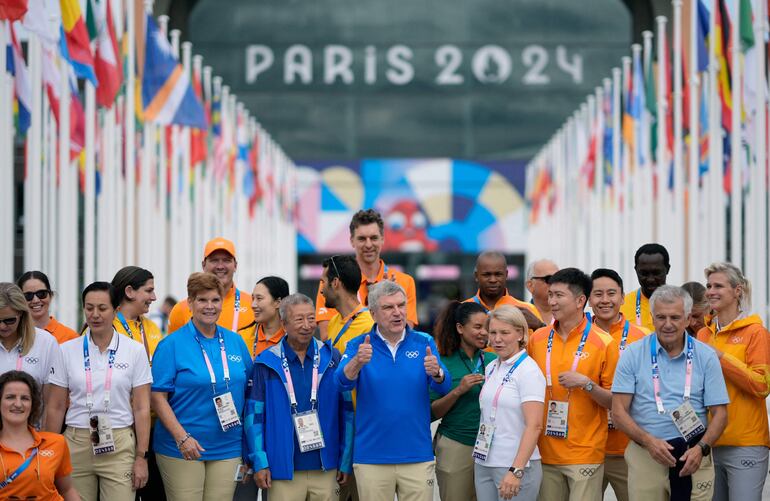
[46, 453]
[582, 355]
[412, 354]
[748, 463]
[234, 358]
[122, 366]
[588, 472]
[704, 486]
[32, 360]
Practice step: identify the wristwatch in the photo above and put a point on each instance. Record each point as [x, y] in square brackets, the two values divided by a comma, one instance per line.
[588, 386]
[705, 448]
[517, 472]
[143, 455]
[440, 375]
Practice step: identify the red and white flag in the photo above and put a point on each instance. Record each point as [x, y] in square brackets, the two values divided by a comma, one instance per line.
[109, 72]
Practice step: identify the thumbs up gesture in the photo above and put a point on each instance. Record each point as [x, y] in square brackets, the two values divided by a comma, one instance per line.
[364, 354]
[431, 363]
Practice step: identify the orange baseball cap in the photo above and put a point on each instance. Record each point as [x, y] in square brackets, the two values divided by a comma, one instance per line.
[219, 243]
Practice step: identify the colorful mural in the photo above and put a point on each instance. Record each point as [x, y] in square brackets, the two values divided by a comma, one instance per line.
[427, 204]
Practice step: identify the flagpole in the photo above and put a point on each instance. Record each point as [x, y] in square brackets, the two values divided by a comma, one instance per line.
[65, 262]
[716, 231]
[678, 257]
[624, 202]
[615, 261]
[186, 171]
[691, 247]
[758, 186]
[7, 207]
[736, 186]
[89, 218]
[661, 161]
[33, 238]
[648, 201]
[129, 230]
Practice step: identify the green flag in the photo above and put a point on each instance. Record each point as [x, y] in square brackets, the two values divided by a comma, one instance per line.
[746, 18]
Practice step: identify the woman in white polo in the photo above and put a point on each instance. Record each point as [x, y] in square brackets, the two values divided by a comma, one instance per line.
[507, 458]
[107, 377]
[23, 347]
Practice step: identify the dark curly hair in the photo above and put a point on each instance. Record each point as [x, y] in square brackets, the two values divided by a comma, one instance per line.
[34, 390]
[445, 328]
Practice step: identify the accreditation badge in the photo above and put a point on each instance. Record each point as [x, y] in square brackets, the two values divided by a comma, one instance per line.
[687, 421]
[308, 428]
[610, 424]
[102, 440]
[556, 421]
[483, 441]
[226, 412]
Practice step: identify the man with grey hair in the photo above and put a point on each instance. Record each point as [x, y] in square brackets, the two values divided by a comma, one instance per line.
[663, 388]
[309, 422]
[538, 273]
[393, 368]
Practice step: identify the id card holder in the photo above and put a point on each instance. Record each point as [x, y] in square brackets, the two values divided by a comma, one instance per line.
[483, 441]
[610, 424]
[687, 421]
[102, 439]
[241, 470]
[308, 429]
[556, 422]
[226, 412]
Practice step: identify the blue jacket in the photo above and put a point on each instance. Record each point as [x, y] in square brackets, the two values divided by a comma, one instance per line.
[270, 428]
[393, 400]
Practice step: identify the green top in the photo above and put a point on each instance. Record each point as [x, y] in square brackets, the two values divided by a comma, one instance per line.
[461, 423]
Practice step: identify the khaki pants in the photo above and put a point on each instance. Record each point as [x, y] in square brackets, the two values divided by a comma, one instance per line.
[198, 480]
[572, 482]
[410, 481]
[648, 479]
[315, 485]
[454, 470]
[616, 474]
[107, 476]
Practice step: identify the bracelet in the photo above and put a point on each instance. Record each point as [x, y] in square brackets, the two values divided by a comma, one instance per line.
[184, 439]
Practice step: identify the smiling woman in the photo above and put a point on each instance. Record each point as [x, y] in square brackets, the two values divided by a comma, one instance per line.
[38, 293]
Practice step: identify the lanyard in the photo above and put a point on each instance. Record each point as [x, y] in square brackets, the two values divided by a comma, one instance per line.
[225, 367]
[506, 378]
[574, 360]
[624, 337]
[385, 271]
[477, 300]
[127, 328]
[347, 325]
[639, 306]
[656, 371]
[479, 369]
[107, 376]
[290, 383]
[21, 469]
[236, 310]
[20, 358]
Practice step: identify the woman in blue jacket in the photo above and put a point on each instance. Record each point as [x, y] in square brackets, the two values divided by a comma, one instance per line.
[300, 444]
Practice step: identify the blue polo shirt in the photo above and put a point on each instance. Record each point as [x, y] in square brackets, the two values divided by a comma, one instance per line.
[634, 375]
[302, 379]
[179, 369]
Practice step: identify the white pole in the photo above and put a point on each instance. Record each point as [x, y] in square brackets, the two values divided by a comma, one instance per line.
[129, 230]
[33, 236]
[647, 197]
[677, 248]
[89, 218]
[661, 154]
[7, 208]
[186, 171]
[617, 81]
[716, 207]
[67, 226]
[736, 198]
[692, 255]
[758, 186]
[626, 261]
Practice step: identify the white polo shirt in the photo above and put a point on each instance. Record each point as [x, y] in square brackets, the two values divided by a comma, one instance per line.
[39, 362]
[527, 384]
[130, 369]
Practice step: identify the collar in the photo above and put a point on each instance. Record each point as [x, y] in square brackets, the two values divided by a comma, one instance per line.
[52, 325]
[380, 272]
[275, 338]
[291, 356]
[36, 441]
[514, 358]
[577, 330]
[662, 350]
[113, 342]
[355, 311]
[231, 294]
[478, 295]
[400, 340]
[740, 322]
[14, 347]
[617, 326]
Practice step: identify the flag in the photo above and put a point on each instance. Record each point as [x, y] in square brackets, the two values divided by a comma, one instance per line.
[701, 36]
[52, 79]
[108, 67]
[746, 28]
[609, 135]
[15, 65]
[44, 19]
[256, 194]
[75, 46]
[12, 10]
[167, 94]
[198, 146]
[721, 39]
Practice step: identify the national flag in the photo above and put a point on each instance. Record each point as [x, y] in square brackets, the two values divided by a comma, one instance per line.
[721, 39]
[701, 36]
[167, 94]
[746, 28]
[15, 65]
[108, 68]
[198, 145]
[12, 10]
[609, 135]
[256, 194]
[75, 45]
[44, 19]
[52, 79]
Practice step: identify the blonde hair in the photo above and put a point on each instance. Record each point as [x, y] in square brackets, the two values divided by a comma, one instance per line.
[736, 278]
[12, 297]
[513, 317]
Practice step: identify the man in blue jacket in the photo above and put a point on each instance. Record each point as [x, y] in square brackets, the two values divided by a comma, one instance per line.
[393, 368]
[299, 423]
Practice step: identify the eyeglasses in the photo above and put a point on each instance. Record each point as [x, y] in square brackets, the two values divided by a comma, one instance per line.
[335, 266]
[544, 278]
[9, 321]
[41, 294]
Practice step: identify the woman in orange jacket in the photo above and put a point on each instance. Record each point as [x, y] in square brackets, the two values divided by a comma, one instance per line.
[743, 346]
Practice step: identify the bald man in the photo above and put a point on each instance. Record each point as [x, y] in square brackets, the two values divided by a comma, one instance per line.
[538, 273]
[491, 273]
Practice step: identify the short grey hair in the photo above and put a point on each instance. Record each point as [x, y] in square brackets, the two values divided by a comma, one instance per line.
[531, 268]
[669, 294]
[292, 300]
[381, 290]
